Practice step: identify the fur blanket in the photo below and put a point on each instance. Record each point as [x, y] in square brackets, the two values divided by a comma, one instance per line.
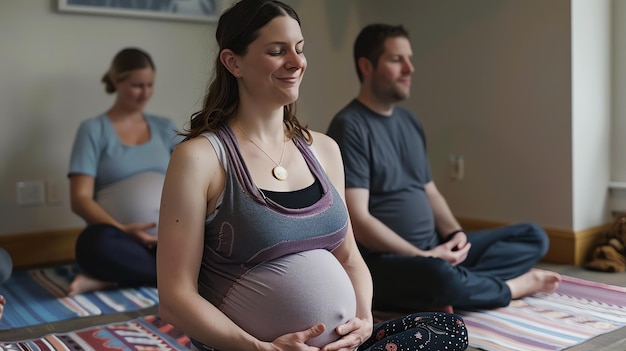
[609, 253]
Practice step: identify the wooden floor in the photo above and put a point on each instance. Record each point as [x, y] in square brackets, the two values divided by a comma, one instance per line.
[615, 341]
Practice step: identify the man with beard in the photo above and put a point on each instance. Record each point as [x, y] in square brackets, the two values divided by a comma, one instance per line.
[418, 254]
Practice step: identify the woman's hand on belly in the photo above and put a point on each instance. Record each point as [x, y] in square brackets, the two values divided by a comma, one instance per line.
[353, 333]
[285, 296]
[297, 341]
[138, 232]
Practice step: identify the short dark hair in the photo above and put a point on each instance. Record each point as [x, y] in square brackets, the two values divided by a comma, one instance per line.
[370, 43]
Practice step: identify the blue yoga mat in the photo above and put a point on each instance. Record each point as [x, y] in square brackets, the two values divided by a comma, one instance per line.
[38, 296]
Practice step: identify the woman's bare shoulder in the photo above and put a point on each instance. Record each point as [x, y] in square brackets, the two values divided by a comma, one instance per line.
[197, 153]
[196, 147]
[327, 150]
[324, 144]
[323, 141]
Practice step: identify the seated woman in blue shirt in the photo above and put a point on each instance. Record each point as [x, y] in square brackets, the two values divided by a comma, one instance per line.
[116, 174]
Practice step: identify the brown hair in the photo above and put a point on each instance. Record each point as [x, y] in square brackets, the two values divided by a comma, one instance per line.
[123, 64]
[237, 28]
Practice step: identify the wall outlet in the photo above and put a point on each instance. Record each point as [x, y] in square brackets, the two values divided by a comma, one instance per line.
[30, 193]
[457, 167]
[53, 192]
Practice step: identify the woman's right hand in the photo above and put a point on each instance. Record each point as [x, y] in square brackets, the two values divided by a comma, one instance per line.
[138, 232]
[297, 341]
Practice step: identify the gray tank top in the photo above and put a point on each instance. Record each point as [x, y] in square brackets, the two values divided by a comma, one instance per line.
[249, 232]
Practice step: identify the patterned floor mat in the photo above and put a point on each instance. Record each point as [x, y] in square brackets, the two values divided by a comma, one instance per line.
[37, 296]
[148, 333]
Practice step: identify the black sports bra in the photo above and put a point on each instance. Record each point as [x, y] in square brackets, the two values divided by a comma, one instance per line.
[297, 199]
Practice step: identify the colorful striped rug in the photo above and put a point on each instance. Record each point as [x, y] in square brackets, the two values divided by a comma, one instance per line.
[37, 296]
[578, 311]
[148, 333]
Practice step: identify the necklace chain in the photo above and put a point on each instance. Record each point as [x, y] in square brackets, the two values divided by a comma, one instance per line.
[279, 172]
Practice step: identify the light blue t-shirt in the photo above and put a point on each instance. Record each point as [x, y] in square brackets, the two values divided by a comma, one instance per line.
[98, 151]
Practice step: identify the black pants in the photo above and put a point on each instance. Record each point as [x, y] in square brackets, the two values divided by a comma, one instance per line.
[106, 253]
[405, 283]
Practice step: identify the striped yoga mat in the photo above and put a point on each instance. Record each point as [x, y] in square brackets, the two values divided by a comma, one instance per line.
[37, 296]
[578, 311]
[148, 333]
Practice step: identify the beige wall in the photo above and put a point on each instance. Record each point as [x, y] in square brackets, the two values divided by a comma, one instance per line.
[51, 64]
[493, 82]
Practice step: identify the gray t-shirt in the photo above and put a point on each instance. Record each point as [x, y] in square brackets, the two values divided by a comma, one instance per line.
[387, 155]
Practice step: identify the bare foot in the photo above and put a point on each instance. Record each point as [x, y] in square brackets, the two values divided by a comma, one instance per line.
[533, 281]
[3, 301]
[83, 283]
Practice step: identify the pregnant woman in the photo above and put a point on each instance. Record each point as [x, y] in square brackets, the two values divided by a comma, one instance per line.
[116, 173]
[256, 250]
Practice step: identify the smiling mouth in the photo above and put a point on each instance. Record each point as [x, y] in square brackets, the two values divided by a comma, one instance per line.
[290, 80]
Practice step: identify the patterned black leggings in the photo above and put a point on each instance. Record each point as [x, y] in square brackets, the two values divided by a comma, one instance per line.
[434, 331]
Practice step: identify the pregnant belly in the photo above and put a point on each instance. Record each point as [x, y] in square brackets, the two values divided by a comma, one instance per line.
[135, 199]
[291, 294]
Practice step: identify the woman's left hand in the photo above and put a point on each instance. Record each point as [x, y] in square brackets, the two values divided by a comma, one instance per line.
[354, 333]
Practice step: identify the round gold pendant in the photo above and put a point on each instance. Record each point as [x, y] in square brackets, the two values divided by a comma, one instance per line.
[279, 172]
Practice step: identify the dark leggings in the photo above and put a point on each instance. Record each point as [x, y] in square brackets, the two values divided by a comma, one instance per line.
[107, 253]
[419, 331]
[405, 283]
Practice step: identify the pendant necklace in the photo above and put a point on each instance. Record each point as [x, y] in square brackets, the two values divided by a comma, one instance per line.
[279, 172]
